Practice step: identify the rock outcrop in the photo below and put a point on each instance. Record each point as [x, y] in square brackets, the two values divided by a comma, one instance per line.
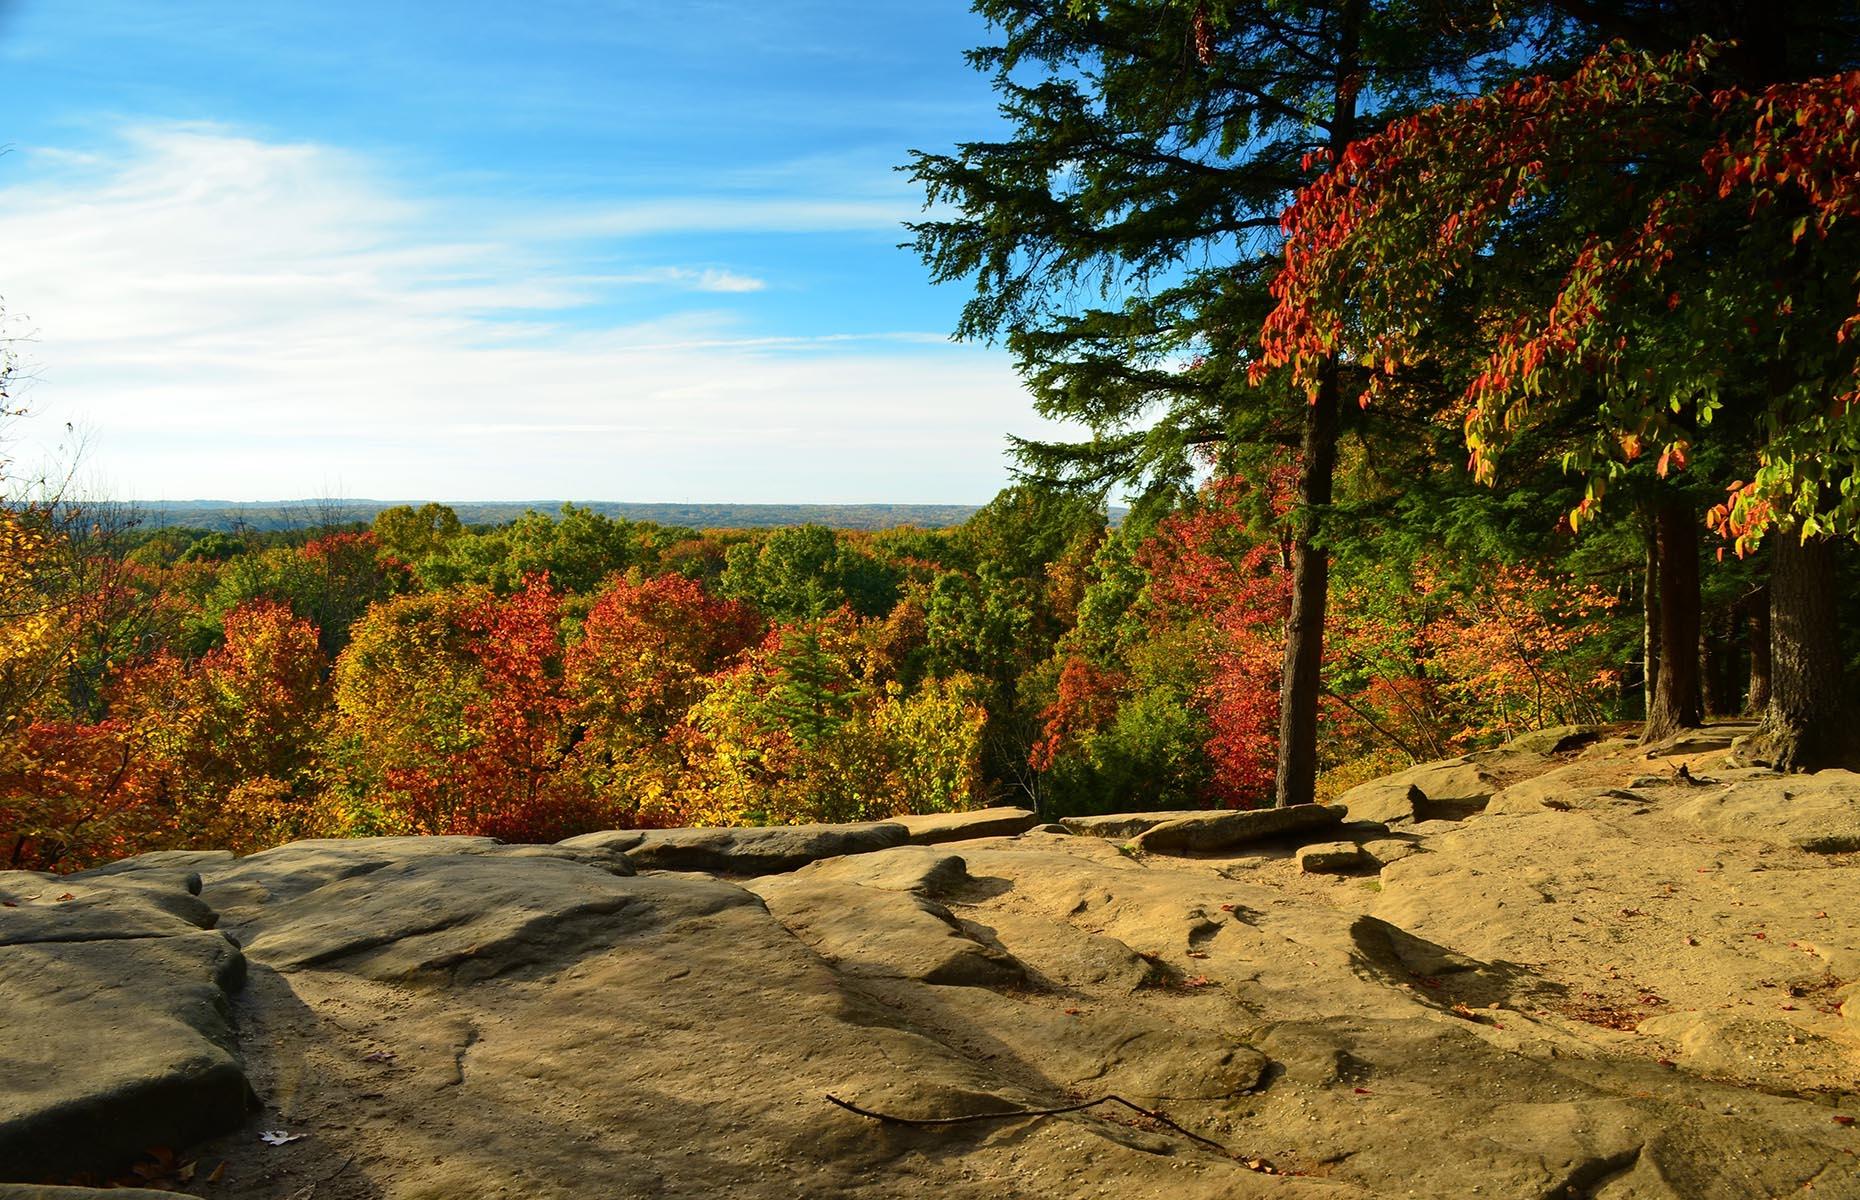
[1452, 788]
[1606, 1000]
[117, 1033]
[1819, 813]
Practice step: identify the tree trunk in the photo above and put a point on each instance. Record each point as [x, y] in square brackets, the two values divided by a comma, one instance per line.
[1304, 628]
[1803, 723]
[1757, 698]
[1718, 663]
[1650, 621]
[1678, 702]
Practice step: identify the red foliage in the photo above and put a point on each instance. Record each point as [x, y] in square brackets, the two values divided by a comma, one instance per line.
[517, 716]
[265, 687]
[73, 794]
[1204, 562]
[1371, 243]
[1087, 700]
[492, 767]
[645, 647]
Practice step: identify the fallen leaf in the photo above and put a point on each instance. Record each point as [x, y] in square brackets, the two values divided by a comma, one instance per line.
[1196, 981]
[1072, 1012]
[277, 1137]
[218, 1173]
[1843, 1119]
[1364, 1092]
[65, 897]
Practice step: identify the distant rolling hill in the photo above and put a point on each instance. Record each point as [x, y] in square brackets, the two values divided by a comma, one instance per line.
[309, 514]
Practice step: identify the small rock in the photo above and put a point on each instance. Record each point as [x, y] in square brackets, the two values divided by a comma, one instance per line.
[1556, 739]
[1451, 788]
[1387, 850]
[1332, 858]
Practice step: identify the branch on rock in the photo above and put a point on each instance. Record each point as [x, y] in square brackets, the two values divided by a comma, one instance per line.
[1017, 1114]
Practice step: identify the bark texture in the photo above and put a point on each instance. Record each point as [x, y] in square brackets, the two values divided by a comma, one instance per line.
[1650, 621]
[1304, 629]
[1757, 693]
[1804, 721]
[1678, 700]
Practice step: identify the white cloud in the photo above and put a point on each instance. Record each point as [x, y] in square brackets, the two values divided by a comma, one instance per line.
[249, 319]
[711, 279]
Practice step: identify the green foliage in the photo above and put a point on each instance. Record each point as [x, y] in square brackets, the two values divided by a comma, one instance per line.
[412, 534]
[212, 547]
[807, 572]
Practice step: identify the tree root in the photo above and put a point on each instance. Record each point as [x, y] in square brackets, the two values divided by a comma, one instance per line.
[1017, 1114]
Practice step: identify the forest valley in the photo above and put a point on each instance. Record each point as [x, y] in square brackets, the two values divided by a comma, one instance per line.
[1472, 367]
[561, 675]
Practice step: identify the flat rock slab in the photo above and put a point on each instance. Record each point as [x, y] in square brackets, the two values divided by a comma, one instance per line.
[162, 860]
[110, 1047]
[1819, 812]
[886, 933]
[761, 850]
[465, 917]
[1700, 741]
[1206, 832]
[1727, 1044]
[1462, 1028]
[930, 829]
[1570, 788]
[39, 908]
[295, 868]
[1123, 826]
[924, 870]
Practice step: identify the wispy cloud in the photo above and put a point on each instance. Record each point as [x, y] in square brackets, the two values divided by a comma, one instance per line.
[248, 318]
[710, 279]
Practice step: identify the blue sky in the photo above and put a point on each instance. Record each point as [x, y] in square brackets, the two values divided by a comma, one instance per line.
[562, 249]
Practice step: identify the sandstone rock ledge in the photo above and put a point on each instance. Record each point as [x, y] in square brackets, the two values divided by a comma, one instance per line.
[1612, 1001]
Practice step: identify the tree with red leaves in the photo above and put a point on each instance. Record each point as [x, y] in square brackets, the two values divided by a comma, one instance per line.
[645, 647]
[1694, 209]
[453, 718]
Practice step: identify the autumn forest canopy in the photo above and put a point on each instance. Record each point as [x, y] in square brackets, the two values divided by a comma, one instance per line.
[1469, 368]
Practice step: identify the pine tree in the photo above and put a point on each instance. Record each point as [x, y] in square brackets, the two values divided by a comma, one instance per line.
[1121, 239]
